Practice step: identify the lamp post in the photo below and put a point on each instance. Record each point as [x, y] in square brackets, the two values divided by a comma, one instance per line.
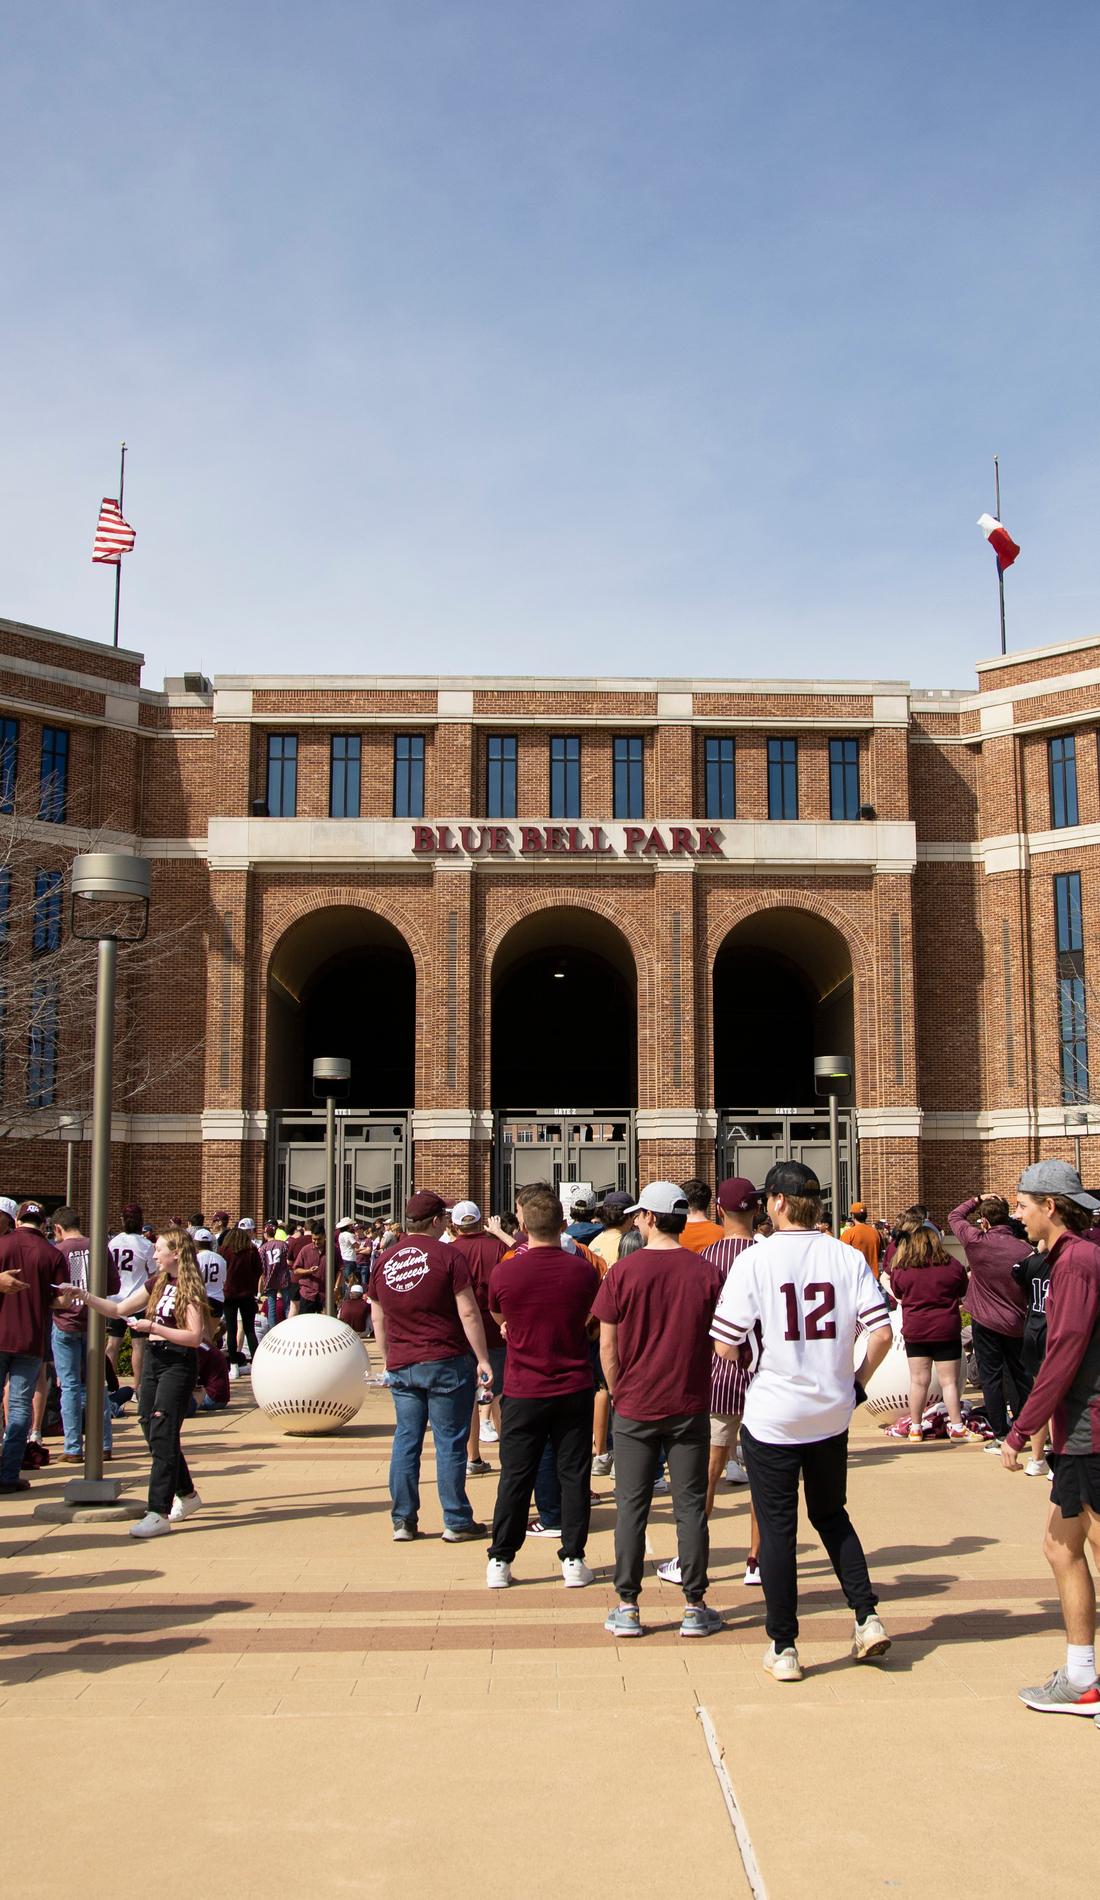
[109, 905]
[831, 1073]
[331, 1078]
[71, 1130]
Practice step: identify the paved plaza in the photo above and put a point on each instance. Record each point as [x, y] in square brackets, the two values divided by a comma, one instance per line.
[277, 1699]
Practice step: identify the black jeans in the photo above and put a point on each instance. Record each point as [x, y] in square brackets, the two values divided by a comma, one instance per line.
[998, 1354]
[169, 1375]
[685, 1441]
[525, 1426]
[245, 1305]
[774, 1472]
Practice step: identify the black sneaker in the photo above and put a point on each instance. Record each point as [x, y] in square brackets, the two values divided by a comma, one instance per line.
[464, 1533]
[404, 1533]
[19, 1484]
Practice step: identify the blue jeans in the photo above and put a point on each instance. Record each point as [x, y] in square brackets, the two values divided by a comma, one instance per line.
[68, 1358]
[19, 1371]
[439, 1393]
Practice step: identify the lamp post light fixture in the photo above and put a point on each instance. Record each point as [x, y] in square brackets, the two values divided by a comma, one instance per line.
[331, 1078]
[109, 905]
[70, 1128]
[1077, 1121]
[831, 1075]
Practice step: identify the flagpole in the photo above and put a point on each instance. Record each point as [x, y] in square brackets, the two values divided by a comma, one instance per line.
[118, 563]
[1000, 569]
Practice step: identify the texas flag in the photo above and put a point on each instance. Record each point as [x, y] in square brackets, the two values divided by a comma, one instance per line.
[1004, 547]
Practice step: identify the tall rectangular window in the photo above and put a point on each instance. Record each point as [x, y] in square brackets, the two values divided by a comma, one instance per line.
[408, 775]
[53, 778]
[500, 790]
[719, 787]
[1069, 943]
[9, 762]
[782, 778]
[628, 789]
[565, 775]
[48, 900]
[42, 1043]
[1063, 781]
[844, 778]
[5, 931]
[344, 774]
[282, 775]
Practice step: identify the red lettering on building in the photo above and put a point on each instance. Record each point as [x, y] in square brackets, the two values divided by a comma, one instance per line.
[575, 848]
[423, 838]
[635, 837]
[656, 843]
[555, 839]
[446, 844]
[471, 840]
[683, 841]
[530, 840]
[500, 838]
[601, 848]
[708, 842]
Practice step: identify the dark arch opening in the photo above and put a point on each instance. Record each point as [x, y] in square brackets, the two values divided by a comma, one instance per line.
[342, 982]
[782, 995]
[564, 1014]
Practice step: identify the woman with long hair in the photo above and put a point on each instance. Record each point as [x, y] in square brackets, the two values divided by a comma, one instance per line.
[243, 1269]
[176, 1316]
[930, 1287]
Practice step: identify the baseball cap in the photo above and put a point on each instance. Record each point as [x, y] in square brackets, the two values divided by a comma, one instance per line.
[203, 1235]
[660, 1197]
[1048, 1177]
[737, 1195]
[346, 1222]
[246, 1224]
[220, 1215]
[424, 1206]
[791, 1177]
[30, 1210]
[8, 1206]
[858, 1207]
[582, 1198]
[618, 1198]
[462, 1211]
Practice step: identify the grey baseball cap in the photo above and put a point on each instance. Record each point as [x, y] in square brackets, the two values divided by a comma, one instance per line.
[660, 1197]
[1056, 1177]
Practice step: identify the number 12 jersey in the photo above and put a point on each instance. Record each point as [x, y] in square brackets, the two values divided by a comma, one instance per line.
[801, 1298]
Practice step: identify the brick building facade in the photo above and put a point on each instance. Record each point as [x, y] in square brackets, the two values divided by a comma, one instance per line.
[628, 911]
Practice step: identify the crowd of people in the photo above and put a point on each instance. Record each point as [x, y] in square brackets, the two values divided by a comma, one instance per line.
[667, 1341]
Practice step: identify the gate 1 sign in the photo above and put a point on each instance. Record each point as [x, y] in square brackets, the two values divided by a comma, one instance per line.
[567, 841]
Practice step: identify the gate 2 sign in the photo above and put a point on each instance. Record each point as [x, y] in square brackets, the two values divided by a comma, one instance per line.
[567, 841]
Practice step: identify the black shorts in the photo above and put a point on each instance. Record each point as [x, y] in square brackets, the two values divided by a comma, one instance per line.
[1076, 1481]
[311, 1306]
[217, 1307]
[941, 1350]
[1033, 1345]
[116, 1329]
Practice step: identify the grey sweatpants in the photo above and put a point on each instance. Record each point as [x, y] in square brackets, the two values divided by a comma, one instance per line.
[638, 1445]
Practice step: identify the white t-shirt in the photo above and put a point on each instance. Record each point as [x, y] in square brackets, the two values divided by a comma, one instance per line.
[804, 1296]
[132, 1254]
[346, 1241]
[211, 1265]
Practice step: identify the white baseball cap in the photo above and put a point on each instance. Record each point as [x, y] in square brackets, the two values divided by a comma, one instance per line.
[346, 1222]
[9, 1207]
[246, 1225]
[660, 1197]
[203, 1234]
[462, 1211]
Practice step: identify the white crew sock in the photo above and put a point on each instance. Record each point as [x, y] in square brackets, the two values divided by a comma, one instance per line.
[1081, 1664]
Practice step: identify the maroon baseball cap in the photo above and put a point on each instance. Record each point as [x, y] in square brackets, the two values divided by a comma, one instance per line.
[424, 1206]
[31, 1210]
[737, 1195]
[132, 1211]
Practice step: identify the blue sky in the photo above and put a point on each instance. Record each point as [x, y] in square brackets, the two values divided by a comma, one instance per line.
[612, 336]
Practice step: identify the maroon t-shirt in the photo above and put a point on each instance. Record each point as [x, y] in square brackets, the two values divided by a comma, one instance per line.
[214, 1373]
[930, 1299]
[355, 1313]
[75, 1251]
[545, 1296]
[662, 1300]
[25, 1316]
[481, 1253]
[309, 1271]
[415, 1282]
[242, 1272]
[295, 1245]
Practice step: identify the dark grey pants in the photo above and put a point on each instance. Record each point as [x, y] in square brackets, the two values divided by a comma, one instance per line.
[685, 1441]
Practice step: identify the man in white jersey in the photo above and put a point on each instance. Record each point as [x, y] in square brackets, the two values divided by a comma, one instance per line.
[212, 1266]
[805, 1296]
[132, 1257]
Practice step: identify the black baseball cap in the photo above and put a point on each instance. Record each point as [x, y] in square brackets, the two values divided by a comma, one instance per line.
[791, 1177]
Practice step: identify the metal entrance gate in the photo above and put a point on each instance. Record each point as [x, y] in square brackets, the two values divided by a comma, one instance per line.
[372, 1164]
[562, 1144]
[749, 1141]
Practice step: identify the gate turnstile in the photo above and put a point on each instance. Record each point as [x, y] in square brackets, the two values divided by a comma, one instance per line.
[562, 1144]
[750, 1141]
[372, 1163]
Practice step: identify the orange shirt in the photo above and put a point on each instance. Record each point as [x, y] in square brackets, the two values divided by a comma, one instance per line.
[699, 1234]
[865, 1239]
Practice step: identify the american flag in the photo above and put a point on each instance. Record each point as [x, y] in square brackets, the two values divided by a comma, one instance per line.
[114, 537]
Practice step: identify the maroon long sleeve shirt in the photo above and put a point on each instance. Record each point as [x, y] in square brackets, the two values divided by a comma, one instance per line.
[1067, 1389]
[994, 1299]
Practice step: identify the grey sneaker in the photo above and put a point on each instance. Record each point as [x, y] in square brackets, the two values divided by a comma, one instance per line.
[1057, 1696]
[601, 1464]
[698, 1620]
[783, 1664]
[404, 1533]
[477, 1468]
[869, 1640]
[623, 1620]
[464, 1533]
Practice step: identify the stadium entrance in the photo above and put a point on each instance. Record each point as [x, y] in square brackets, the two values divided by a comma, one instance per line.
[750, 1142]
[372, 1164]
[556, 1145]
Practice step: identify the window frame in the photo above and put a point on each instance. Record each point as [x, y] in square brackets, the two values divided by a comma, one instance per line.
[843, 776]
[53, 781]
[501, 796]
[714, 776]
[408, 802]
[1069, 952]
[9, 762]
[278, 770]
[43, 1039]
[345, 767]
[784, 773]
[48, 913]
[628, 776]
[565, 776]
[1062, 778]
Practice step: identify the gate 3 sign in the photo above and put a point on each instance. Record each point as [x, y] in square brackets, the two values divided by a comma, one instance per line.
[567, 841]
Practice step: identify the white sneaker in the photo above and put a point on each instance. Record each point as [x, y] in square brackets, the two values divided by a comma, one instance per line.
[488, 1431]
[234, 1370]
[869, 1640]
[752, 1572]
[152, 1525]
[185, 1507]
[669, 1571]
[783, 1664]
[994, 1446]
[736, 1473]
[575, 1573]
[1037, 1468]
[602, 1462]
[498, 1574]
